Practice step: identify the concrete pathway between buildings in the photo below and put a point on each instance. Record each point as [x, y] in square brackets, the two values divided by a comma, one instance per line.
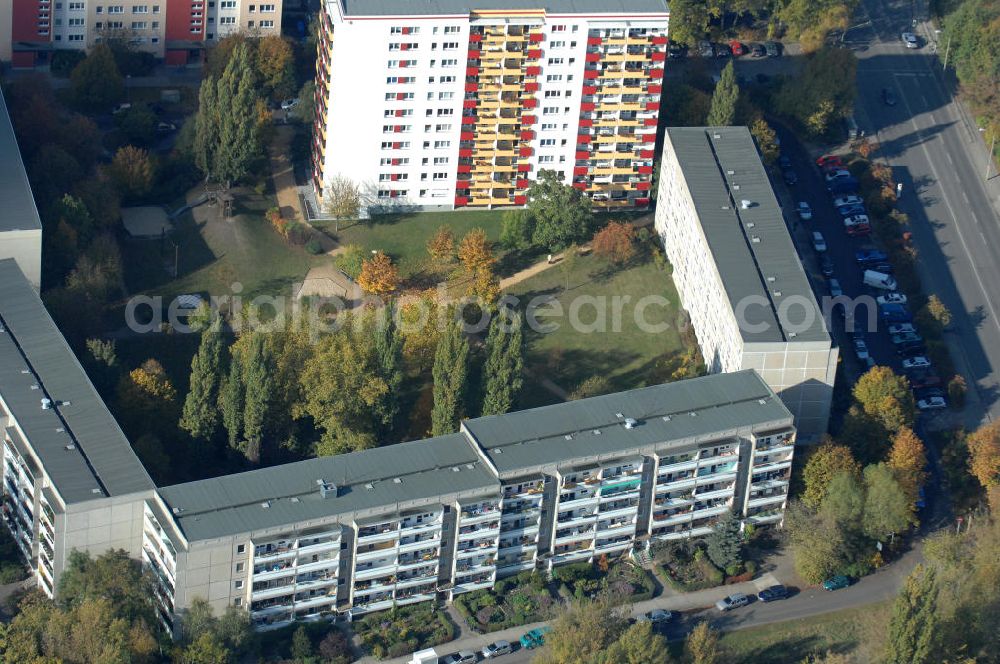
[285, 189]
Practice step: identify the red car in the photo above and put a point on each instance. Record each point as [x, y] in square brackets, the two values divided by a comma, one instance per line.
[737, 48]
[830, 161]
[859, 230]
[920, 379]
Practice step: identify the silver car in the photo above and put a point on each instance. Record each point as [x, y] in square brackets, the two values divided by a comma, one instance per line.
[732, 602]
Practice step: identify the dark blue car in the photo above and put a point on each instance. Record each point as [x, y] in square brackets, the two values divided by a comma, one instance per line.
[870, 256]
[843, 186]
[895, 313]
[851, 210]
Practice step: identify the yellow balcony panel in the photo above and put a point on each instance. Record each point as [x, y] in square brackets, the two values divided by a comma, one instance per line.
[631, 106]
[504, 153]
[613, 204]
[611, 74]
[632, 91]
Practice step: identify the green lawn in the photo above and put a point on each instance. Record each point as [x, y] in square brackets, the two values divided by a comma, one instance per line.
[791, 642]
[212, 256]
[624, 353]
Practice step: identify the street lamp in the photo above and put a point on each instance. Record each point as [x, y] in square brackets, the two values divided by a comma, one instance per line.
[989, 155]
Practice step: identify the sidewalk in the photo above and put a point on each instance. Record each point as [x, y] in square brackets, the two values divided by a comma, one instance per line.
[701, 599]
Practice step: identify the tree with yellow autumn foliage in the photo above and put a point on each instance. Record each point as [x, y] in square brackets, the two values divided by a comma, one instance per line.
[378, 275]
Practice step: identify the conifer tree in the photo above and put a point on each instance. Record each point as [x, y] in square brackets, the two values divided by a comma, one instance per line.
[504, 362]
[231, 399]
[914, 627]
[450, 372]
[200, 416]
[727, 92]
[259, 397]
[388, 348]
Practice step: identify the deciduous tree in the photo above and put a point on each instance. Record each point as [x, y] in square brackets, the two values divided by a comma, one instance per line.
[96, 81]
[517, 229]
[259, 396]
[767, 140]
[818, 544]
[907, 459]
[887, 507]
[702, 645]
[275, 65]
[450, 370]
[844, 502]
[984, 454]
[581, 633]
[616, 242]
[562, 214]
[132, 170]
[146, 398]
[886, 396]
[826, 462]
[475, 251]
[342, 198]
[378, 275]
[441, 247]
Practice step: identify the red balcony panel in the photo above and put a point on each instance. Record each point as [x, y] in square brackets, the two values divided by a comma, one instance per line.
[472, 71]
[527, 135]
[406, 31]
[582, 154]
[658, 56]
[579, 170]
[590, 89]
[464, 168]
[654, 88]
[468, 119]
[400, 96]
[583, 139]
[534, 70]
[586, 122]
[398, 129]
[642, 186]
[652, 105]
[656, 74]
[641, 202]
[397, 145]
[645, 138]
[395, 162]
[404, 63]
[593, 57]
[461, 201]
[474, 54]
[399, 113]
[520, 200]
[522, 184]
[534, 53]
[471, 87]
[593, 41]
[528, 119]
[469, 103]
[524, 168]
[588, 106]
[531, 87]
[525, 151]
[529, 103]
[582, 186]
[475, 38]
[645, 170]
[590, 74]
[646, 154]
[649, 122]
[404, 47]
[467, 136]
[660, 40]
[536, 37]
[465, 152]
[394, 176]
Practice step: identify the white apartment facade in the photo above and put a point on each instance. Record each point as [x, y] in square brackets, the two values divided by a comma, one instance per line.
[737, 271]
[455, 104]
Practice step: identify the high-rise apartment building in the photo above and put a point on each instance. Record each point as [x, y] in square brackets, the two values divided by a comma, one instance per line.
[404, 523]
[738, 273]
[175, 30]
[20, 225]
[450, 104]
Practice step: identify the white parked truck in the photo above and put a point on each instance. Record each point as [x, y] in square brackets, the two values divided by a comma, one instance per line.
[428, 656]
[879, 280]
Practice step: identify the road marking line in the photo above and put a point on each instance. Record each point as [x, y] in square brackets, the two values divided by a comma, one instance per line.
[948, 155]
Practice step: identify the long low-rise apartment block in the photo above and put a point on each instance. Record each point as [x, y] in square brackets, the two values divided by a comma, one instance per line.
[403, 523]
[445, 104]
[737, 271]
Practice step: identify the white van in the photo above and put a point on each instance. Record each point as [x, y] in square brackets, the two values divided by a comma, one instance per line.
[879, 280]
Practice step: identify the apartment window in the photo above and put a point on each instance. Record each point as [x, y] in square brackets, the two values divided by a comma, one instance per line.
[399, 30]
[74, 22]
[451, 29]
[393, 64]
[442, 144]
[156, 9]
[238, 601]
[77, 6]
[558, 28]
[450, 46]
[551, 126]
[440, 176]
[550, 110]
[449, 62]
[238, 584]
[549, 94]
[445, 95]
[115, 25]
[442, 127]
[557, 44]
[99, 9]
[553, 77]
[140, 9]
[154, 40]
[546, 159]
[439, 161]
[267, 24]
[227, 4]
[547, 142]
[138, 25]
[227, 20]
[116, 9]
[445, 111]
[155, 25]
[74, 38]
[267, 8]
[446, 79]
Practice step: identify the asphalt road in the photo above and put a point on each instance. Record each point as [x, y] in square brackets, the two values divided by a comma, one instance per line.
[936, 152]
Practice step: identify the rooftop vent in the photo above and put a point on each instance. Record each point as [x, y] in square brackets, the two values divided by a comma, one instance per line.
[70, 447]
[370, 486]
[266, 505]
[716, 135]
[498, 451]
[455, 469]
[777, 293]
[96, 490]
[755, 239]
[693, 413]
[619, 415]
[396, 480]
[597, 432]
[294, 499]
[46, 403]
[736, 187]
[762, 402]
[793, 334]
[470, 466]
[666, 418]
[770, 279]
[631, 423]
[745, 204]
[730, 172]
[60, 430]
[176, 510]
[750, 224]
[568, 437]
[327, 489]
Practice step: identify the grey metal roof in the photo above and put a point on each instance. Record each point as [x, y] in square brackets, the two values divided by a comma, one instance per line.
[749, 268]
[233, 504]
[445, 7]
[36, 363]
[19, 211]
[696, 407]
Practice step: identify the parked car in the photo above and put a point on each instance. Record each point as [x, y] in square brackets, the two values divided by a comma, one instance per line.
[858, 230]
[895, 313]
[732, 602]
[910, 40]
[773, 593]
[861, 349]
[758, 50]
[497, 648]
[461, 657]
[805, 212]
[933, 403]
[888, 96]
[819, 242]
[737, 48]
[850, 210]
[534, 638]
[838, 174]
[830, 160]
[722, 51]
[917, 362]
[843, 186]
[835, 289]
[166, 127]
[676, 51]
[705, 49]
[836, 582]
[905, 337]
[920, 378]
[656, 616]
[289, 104]
[864, 256]
[826, 265]
[773, 49]
[784, 161]
[929, 392]
[891, 298]
[902, 328]
[884, 268]
[857, 220]
[911, 349]
[847, 200]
